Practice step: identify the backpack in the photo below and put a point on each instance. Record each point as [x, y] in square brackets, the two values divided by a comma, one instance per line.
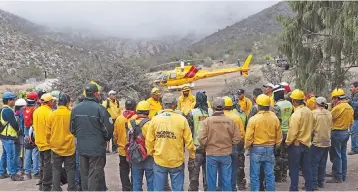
[28, 111]
[2, 127]
[116, 101]
[135, 148]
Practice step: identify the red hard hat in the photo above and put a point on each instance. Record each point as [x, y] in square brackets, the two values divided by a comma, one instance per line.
[32, 96]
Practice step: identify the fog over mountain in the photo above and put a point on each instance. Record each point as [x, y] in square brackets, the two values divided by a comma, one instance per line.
[136, 20]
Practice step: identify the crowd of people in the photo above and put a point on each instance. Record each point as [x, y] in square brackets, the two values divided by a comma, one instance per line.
[49, 137]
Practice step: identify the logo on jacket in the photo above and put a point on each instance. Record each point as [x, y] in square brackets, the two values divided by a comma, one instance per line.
[110, 120]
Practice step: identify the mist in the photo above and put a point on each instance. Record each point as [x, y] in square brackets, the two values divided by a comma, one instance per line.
[134, 19]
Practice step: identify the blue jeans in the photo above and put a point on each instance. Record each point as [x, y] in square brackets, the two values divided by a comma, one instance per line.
[235, 168]
[19, 145]
[8, 157]
[262, 156]
[161, 177]
[319, 157]
[32, 159]
[138, 172]
[77, 176]
[221, 164]
[338, 154]
[298, 156]
[354, 137]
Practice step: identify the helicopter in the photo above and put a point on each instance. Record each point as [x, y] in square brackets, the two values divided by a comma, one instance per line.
[186, 75]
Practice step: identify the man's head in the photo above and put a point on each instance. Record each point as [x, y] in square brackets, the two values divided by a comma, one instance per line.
[321, 103]
[337, 95]
[20, 103]
[130, 105]
[297, 97]
[278, 92]
[241, 94]
[186, 90]
[8, 98]
[354, 87]
[169, 101]
[228, 104]
[143, 108]
[91, 90]
[156, 94]
[112, 95]
[32, 98]
[218, 104]
[256, 92]
[286, 86]
[268, 89]
[64, 100]
[48, 99]
[263, 101]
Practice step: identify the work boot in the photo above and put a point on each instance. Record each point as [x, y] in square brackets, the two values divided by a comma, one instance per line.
[334, 180]
[16, 177]
[352, 153]
[28, 177]
[37, 176]
[4, 176]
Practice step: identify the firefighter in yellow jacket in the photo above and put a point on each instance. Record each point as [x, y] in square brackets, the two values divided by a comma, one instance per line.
[39, 124]
[186, 101]
[120, 135]
[154, 101]
[114, 109]
[62, 144]
[245, 103]
[167, 135]
[343, 118]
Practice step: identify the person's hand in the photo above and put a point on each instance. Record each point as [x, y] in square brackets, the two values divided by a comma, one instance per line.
[191, 164]
[27, 138]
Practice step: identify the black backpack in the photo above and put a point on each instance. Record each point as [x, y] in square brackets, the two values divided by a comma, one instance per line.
[2, 126]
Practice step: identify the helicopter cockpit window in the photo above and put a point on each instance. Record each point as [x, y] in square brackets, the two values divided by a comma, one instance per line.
[173, 75]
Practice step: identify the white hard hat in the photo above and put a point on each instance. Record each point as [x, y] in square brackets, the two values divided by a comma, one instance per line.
[112, 92]
[20, 102]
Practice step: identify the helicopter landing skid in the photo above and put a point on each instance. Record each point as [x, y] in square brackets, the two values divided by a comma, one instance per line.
[180, 87]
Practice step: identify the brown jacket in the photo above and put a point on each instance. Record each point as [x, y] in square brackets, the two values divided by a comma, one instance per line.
[217, 134]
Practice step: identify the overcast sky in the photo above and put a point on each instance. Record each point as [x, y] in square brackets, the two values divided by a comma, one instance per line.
[137, 19]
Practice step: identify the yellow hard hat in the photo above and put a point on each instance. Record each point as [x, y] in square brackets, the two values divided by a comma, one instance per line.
[186, 88]
[47, 97]
[155, 91]
[143, 106]
[263, 100]
[228, 101]
[297, 95]
[337, 92]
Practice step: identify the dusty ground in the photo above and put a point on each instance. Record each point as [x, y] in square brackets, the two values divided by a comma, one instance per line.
[114, 184]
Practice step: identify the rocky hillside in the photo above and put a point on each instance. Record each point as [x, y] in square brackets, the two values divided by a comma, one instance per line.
[257, 33]
[27, 49]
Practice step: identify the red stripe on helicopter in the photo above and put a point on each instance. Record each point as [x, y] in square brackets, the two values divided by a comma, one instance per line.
[192, 72]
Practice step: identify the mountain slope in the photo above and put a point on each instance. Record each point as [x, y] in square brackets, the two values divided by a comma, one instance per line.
[255, 33]
[27, 49]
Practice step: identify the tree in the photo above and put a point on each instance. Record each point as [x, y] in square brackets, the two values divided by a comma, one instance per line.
[321, 41]
[127, 80]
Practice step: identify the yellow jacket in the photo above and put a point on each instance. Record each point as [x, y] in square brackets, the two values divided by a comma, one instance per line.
[322, 128]
[39, 124]
[58, 132]
[342, 116]
[185, 104]
[238, 122]
[263, 129]
[114, 108]
[167, 135]
[155, 107]
[300, 127]
[120, 133]
[245, 105]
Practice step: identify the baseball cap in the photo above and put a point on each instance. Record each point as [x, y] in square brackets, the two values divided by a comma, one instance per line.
[218, 103]
[47, 97]
[240, 91]
[169, 98]
[321, 101]
[112, 92]
[269, 85]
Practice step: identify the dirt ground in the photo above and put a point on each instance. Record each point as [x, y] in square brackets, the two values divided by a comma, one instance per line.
[114, 184]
